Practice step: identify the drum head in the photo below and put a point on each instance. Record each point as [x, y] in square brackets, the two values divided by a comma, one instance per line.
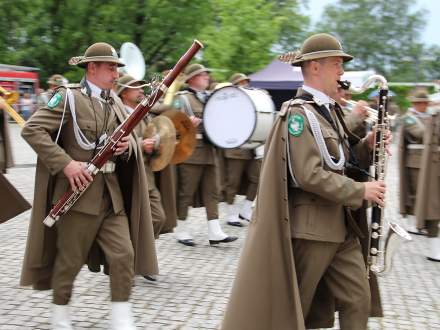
[229, 117]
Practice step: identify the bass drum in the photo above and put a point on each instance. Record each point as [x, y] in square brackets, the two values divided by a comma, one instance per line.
[238, 117]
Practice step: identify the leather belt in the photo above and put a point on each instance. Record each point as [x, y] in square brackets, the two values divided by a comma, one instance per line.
[108, 167]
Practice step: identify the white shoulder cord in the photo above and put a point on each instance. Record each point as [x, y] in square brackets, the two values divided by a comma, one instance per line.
[316, 130]
[81, 139]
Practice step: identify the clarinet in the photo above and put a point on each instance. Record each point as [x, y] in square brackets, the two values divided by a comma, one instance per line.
[380, 261]
[378, 168]
[63, 205]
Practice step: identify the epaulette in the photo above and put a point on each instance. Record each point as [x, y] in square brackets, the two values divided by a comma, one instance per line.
[291, 103]
[183, 92]
[73, 85]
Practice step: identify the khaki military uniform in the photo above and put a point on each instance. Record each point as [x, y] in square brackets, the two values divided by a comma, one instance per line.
[302, 241]
[354, 123]
[241, 167]
[410, 152]
[157, 210]
[101, 216]
[198, 177]
[427, 203]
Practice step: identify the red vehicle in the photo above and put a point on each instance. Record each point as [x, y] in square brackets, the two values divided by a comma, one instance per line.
[22, 79]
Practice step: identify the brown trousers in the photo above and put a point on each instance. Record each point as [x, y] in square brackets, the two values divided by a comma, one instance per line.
[342, 267]
[235, 170]
[76, 233]
[157, 211]
[193, 177]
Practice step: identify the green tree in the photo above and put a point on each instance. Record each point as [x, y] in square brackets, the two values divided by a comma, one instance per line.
[238, 35]
[379, 33]
[241, 37]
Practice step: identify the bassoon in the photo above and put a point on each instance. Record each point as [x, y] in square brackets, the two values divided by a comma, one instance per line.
[63, 205]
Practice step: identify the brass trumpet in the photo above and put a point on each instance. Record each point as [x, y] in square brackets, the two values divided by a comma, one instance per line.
[11, 98]
[372, 113]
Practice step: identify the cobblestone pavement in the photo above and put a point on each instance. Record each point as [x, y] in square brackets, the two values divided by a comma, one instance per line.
[194, 283]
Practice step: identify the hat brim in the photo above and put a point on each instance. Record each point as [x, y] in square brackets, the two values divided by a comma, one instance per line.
[235, 82]
[319, 55]
[419, 99]
[195, 73]
[129, 83]
[109, 59]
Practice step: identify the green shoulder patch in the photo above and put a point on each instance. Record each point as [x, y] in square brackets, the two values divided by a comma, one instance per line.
[54, 100]
[296, 124]
[177, 104]
[410, 120]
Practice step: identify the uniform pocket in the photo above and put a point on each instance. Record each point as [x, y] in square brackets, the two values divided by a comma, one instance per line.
[88, 128]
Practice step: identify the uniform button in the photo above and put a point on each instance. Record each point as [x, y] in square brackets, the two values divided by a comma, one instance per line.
[286, 219]
[285, 199]
[283, 138]
[284, 179]
[283, 158]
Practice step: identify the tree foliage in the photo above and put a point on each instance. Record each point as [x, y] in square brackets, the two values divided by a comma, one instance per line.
[239, 35]
[383, 35]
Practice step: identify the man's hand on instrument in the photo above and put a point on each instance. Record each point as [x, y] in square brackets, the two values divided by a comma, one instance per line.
[375, 192]
[388, 139]
[195, 121]
[122, 146]
[360, 109]
[77, 174]
[148, 145]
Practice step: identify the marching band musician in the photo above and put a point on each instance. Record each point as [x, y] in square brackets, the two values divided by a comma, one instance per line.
[55, 81]
[111, 222]
[410, 149]
[419, 172]
[241, 169]
[354, 116]
[131, 98]
[198, 176]
[5, 140]
[302, 259]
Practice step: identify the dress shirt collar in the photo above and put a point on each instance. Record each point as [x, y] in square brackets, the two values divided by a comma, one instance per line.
[319, 97]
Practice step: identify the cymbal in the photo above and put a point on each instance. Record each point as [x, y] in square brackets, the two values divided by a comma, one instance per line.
[186, 135]
[162, 128]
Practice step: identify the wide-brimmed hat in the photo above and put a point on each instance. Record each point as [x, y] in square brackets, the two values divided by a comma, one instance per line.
[125, 81]
[317, 46]
[419, 95]
[98, 52]
[57, 80]
[238, 77]
[193, 70]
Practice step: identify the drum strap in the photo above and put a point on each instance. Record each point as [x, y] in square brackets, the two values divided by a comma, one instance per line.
[188, 108]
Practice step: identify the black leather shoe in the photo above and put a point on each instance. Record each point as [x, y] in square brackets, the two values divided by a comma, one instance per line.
[433, 259]
[243, 218]
[235, 223]
[151, 278]
[187, 242]
[225, 240]
[415, 231]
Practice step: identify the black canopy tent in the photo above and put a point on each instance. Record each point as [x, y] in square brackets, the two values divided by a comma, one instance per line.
[280, 79]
